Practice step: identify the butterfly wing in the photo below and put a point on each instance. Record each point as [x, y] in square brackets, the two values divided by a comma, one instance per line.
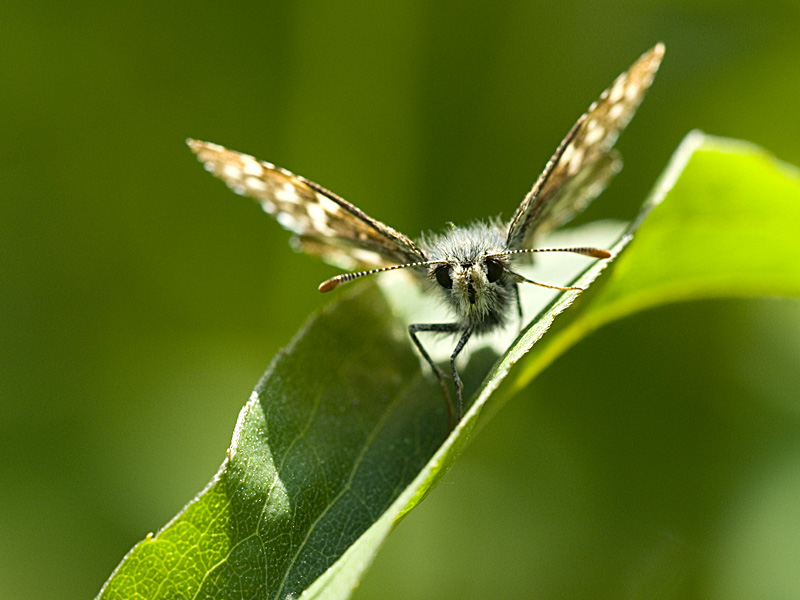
[323, 223]
[584, 163]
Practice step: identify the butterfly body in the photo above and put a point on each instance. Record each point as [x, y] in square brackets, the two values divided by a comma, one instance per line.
[469, 273]
[471, 268]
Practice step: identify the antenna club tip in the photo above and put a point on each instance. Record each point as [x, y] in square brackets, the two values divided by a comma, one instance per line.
[598, 253]
[327, 286]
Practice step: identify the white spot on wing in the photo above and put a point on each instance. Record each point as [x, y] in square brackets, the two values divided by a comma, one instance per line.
[286, 220]
[566, 156]
[287, 193]
[615, 112]
[319, 219]
[594, 132]
[617, 90]
[237, 188]
[365, 256]
[254, 183]
[329, 205]
[631, 92]
[576, 161]
[231, 171]
[251, 166]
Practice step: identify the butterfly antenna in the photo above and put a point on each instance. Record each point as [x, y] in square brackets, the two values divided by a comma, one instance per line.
[591, 252]
[522, 279]
[585, 251]
[334, 282]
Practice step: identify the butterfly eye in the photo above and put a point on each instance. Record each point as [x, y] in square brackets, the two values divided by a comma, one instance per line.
[494, 269]
[442, 274]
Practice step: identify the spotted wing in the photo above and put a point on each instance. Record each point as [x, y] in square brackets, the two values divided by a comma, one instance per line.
[584, 163]
[323, 223]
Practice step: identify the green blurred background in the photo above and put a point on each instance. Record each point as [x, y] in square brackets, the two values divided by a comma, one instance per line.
[141, 300]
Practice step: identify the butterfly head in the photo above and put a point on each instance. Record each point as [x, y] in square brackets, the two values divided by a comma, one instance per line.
[469, 277]
[475, 289]
[471, 270]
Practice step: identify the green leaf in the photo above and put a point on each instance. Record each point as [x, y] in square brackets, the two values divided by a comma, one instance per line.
[345, 434]
[339, 425]
[723, 221]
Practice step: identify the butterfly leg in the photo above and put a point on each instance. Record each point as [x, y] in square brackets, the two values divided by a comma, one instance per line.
[519, 304]
[439, 328]
[456, 379]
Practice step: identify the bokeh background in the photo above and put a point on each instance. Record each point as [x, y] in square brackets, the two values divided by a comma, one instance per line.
[140, 301]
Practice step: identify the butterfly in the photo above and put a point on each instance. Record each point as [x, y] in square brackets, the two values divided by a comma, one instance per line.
[472, 268]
